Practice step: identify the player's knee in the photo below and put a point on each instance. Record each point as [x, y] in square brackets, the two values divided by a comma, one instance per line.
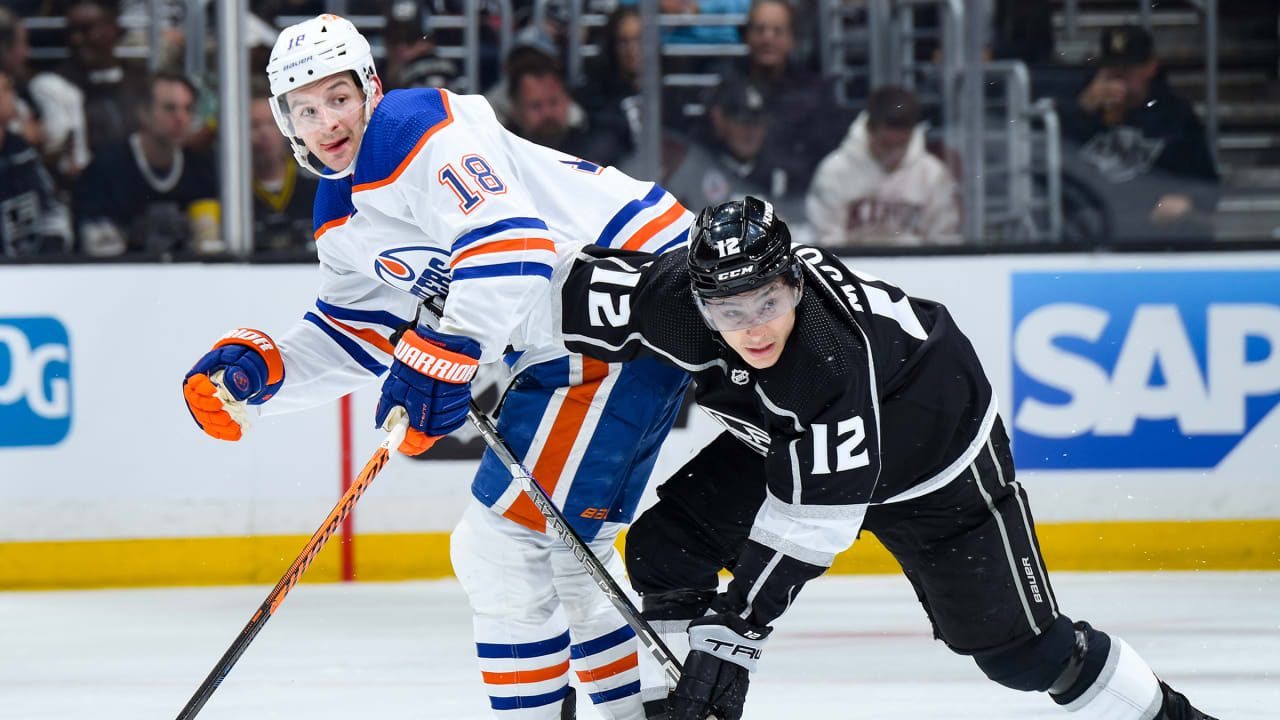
[1035, 664]
[649, 552]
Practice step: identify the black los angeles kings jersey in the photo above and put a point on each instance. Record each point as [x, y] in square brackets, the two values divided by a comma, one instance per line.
[877, 397]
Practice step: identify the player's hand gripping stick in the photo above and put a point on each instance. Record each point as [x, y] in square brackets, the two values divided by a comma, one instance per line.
[431, 379]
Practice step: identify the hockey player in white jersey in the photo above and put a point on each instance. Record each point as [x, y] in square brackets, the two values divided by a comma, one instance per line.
[425, 195]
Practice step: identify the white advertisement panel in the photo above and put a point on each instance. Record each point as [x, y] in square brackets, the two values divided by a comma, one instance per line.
[1134, 387]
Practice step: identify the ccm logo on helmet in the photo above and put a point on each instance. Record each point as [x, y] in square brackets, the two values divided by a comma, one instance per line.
[432, 366]
[736, 272]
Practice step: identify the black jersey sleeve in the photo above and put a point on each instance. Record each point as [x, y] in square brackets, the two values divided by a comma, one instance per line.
[619, 305]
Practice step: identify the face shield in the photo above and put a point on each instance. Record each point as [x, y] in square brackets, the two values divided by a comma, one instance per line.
[309, 112]
[751, 308]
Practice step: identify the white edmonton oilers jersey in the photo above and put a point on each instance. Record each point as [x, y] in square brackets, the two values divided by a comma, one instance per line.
[444, 201]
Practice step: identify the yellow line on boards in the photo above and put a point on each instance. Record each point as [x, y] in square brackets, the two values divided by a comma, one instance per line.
[1165, 545]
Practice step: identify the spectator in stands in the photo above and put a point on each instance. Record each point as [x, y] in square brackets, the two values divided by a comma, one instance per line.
[881, 187]
[807, 123]
[411, 59]
[137, 193]
[14, 52]
[611, 94]
[529, 46]
[540, 113]
[1139, 147]
[702, 174]
[92, 99]
[32, 221]
[283, 196]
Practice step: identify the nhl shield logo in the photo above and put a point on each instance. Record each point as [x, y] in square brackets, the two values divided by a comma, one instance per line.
[739, 377]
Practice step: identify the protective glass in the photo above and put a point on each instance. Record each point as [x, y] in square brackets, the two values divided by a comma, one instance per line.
[751, 308]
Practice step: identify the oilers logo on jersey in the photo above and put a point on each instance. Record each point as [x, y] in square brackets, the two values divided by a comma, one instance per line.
[398, 266]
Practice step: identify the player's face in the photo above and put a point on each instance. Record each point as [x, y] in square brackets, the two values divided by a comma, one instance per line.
[329, 117]
[757, 323]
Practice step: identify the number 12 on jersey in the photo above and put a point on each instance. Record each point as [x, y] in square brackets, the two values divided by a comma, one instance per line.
[481, 174]
[610, 307]
[845, 447]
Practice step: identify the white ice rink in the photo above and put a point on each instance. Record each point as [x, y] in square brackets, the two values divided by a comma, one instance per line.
[852, 647]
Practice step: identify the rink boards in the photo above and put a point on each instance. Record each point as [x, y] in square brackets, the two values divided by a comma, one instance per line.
[1140, 392]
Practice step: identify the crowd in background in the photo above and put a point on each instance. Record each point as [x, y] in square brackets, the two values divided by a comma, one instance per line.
[100, 158]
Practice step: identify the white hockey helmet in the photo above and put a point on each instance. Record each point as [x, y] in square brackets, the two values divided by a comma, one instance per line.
[313, 50]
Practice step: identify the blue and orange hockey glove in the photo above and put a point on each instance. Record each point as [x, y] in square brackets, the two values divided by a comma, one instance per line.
[431, 379]
[244, 367]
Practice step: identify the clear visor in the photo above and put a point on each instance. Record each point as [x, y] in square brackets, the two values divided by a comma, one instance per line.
[309, 116]
[751, 308]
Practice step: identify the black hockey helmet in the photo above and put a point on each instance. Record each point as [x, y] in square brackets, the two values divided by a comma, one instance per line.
[739, 246]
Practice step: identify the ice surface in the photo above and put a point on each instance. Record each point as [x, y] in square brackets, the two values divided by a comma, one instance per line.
[851, 647]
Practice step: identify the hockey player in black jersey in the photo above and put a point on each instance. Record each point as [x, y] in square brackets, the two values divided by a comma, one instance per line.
[849, 405]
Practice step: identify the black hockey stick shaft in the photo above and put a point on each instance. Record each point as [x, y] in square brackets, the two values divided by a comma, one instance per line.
[556, 520]
[294, 573]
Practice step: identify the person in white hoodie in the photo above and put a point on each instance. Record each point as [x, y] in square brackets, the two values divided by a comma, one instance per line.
[881, 187]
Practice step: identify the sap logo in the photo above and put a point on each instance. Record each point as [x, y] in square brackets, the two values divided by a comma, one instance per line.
[1142, 370]
[35, 382]
[397, 267]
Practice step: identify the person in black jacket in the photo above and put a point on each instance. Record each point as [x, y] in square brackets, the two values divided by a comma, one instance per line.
[848, 405]
[32, 221]
[1139, 148]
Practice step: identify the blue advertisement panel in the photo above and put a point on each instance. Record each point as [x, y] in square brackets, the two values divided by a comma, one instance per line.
[35, 381]
[1141, 369]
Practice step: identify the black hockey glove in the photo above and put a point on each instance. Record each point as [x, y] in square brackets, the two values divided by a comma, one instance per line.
[723, 652]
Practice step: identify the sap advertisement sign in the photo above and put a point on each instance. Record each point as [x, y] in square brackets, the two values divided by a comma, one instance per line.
[35, 381]
[1152, 369]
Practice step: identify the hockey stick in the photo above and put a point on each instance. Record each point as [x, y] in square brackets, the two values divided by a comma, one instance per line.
[590, 563]
[299, 566]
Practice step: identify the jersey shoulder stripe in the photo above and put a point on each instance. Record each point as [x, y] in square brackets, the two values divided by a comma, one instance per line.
[628, 211]
[332, 206]
[401, 126]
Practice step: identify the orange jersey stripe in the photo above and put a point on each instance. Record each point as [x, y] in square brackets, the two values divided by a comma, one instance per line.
[331, 225]
[555, 453]
[608, 671]
[505, 246]
[653, 227]
[444, 100]
[366, 335]
[526, 676]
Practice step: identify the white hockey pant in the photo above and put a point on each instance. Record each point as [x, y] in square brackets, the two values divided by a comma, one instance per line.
[537, 615]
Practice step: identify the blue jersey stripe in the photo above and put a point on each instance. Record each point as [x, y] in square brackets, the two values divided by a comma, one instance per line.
[514, 223]
[380, 317]
[528, 701]
[627, 212]
[602, 643]
[523, 650]
[616, 693]
[365, 360]
[502, 270]
[681, 238]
